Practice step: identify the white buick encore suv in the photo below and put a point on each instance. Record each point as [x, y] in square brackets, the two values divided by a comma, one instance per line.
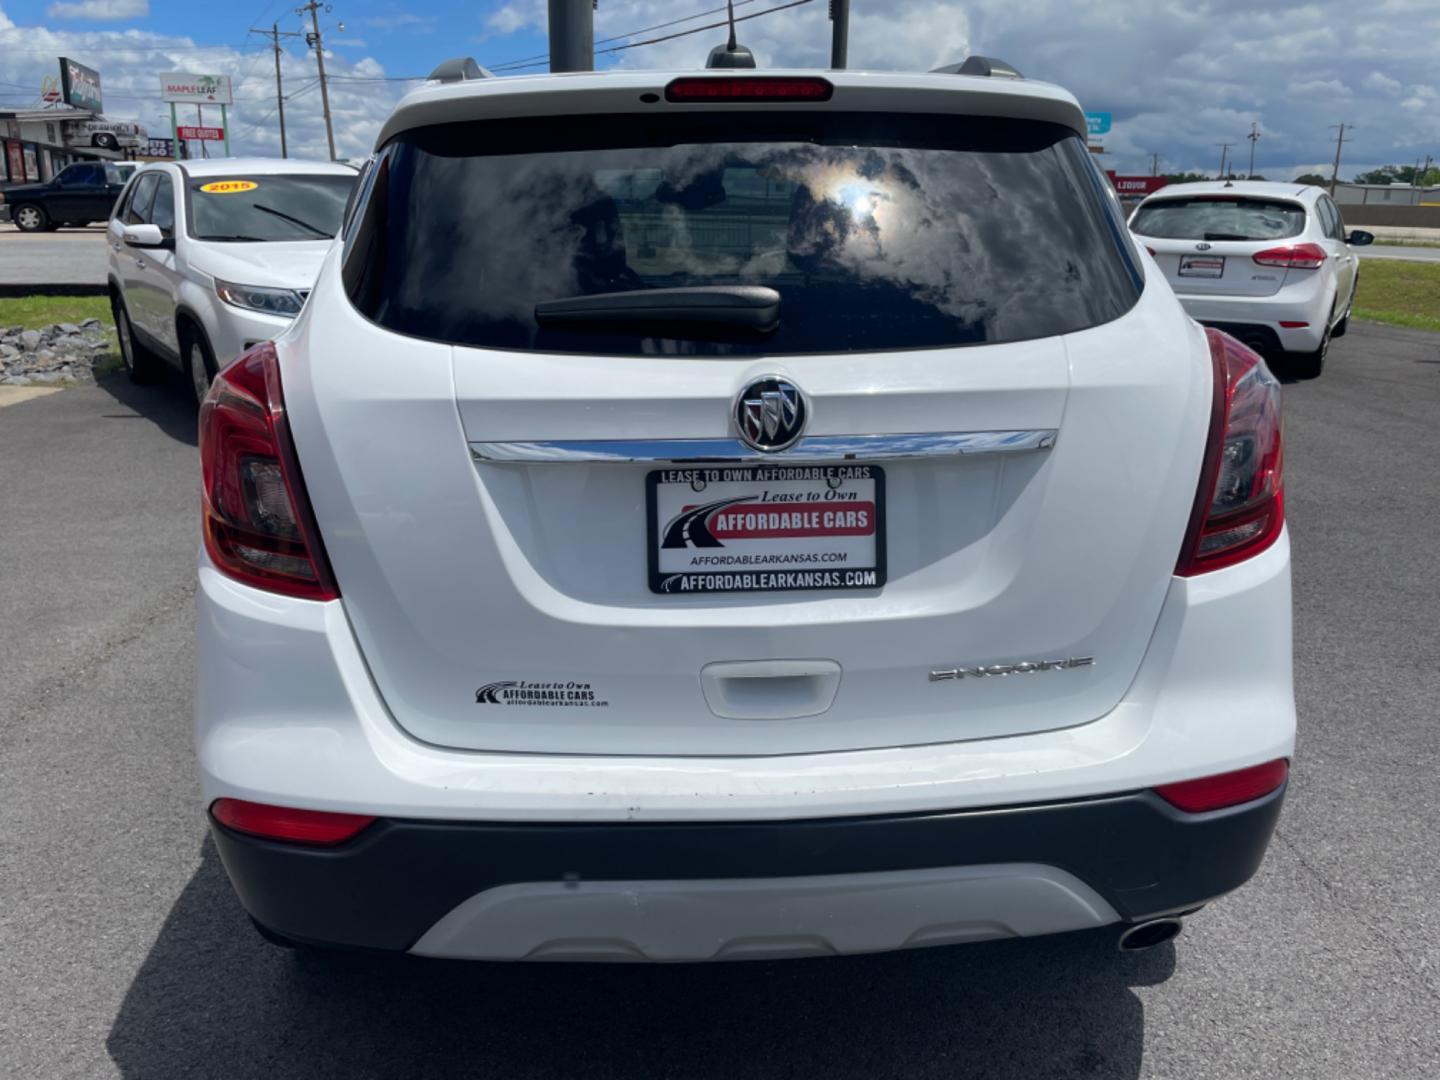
[733, 514]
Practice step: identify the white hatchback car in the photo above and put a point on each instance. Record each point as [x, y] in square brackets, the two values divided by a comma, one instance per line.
[731, 514]
[1269, 263]
[208, 258]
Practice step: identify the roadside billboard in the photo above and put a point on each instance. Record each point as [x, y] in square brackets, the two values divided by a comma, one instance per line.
[1136, 187]
[80, 86]
[179, 88]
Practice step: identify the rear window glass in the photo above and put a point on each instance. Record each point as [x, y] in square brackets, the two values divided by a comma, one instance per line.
[263, 207]
[879, 232]
[1212, 218]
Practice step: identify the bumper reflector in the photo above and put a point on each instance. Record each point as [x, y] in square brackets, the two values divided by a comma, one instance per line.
[287, 823]
[1225, 789]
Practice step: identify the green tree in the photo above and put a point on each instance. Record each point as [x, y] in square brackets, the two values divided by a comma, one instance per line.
[1390, 174]
[1186, 177]
[1311, 178]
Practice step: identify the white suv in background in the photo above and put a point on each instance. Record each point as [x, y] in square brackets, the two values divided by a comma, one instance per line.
[1269, 263]
[739, 514]
[207, 258]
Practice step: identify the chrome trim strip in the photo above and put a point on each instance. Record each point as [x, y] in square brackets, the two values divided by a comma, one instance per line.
[811, 448]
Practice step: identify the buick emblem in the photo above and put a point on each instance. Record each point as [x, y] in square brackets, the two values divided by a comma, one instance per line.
[770, 414]
[1202, 246]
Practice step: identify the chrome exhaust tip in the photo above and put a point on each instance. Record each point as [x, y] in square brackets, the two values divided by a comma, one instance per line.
[1147, 935]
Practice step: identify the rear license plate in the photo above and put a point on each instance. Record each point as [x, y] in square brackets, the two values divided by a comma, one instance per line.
[766, 528]
[1211, 266]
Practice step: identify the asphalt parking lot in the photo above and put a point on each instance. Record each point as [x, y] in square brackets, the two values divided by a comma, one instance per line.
[124, 953]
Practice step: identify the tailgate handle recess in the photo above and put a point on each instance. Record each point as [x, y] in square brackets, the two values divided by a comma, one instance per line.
[770, 689]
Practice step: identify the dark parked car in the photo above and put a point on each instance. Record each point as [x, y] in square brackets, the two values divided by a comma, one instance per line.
[77, 195]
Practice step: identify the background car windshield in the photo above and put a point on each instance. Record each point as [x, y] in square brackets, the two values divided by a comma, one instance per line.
[1219, 219]
[879, 231]
[274, 208]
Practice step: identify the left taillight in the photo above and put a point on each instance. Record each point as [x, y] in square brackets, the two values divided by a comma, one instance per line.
[258, 525]
[1239, 505]
[289, 824]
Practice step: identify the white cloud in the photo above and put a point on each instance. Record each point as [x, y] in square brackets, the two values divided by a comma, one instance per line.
[100, 10]
[402, 20]
[129, 60]
[1383, 83]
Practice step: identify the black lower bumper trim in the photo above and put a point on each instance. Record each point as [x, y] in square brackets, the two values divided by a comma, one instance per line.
[390, 884]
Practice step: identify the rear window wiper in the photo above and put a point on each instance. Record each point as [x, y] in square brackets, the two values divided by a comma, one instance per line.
[234, 236]
[755, 308]
[1225, 236]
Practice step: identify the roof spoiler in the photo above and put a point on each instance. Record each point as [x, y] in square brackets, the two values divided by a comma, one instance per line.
[459, 69]
[985, 66]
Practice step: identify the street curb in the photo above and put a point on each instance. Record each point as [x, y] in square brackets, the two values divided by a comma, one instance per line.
[11, 289]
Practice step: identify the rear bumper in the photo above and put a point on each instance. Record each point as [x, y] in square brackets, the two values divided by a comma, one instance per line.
[1256, 320]
[699, 890]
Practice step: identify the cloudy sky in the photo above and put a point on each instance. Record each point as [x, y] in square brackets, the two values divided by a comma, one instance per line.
[1179, 77]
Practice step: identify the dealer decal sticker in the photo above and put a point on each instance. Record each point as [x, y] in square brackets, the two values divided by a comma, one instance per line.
[569, 694]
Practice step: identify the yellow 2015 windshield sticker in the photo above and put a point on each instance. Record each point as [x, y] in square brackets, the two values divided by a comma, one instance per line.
[227, 187]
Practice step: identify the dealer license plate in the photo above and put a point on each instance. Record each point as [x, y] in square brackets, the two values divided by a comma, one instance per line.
[766, 528]
[1211, 266]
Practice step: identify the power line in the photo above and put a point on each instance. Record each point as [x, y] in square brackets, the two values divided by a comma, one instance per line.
[539, 62]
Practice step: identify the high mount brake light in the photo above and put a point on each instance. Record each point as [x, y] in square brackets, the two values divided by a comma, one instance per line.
[1225, 789]
[257, 520]
[287, 823]
[1239, 506]
[748, 88]
[1292, 256]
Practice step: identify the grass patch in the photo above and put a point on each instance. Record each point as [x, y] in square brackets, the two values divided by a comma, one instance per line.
[1399, 293]
[33, 312]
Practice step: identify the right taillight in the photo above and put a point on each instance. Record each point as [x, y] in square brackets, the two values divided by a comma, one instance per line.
[1292, 256]
[257, 521]
[1239, 507]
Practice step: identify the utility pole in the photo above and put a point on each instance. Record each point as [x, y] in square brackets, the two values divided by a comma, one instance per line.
[1340, 141]
[572, 35]
[314, 39]
[1154, 164]
[1254, 137]
[275, 34]
[1224, 152]
[839, 34]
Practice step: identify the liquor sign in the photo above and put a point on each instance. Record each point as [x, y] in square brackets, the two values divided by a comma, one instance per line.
[1136, 187]
[80, 86]
[204, 134]
[178, 87]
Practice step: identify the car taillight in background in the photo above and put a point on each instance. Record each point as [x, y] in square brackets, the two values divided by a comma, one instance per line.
[1239, 507]
[1292, 256]
[257, 521]
[748, 87]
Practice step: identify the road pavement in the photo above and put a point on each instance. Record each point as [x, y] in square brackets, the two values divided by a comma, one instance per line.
[124, 953]
[1408, 254]
[63, 257]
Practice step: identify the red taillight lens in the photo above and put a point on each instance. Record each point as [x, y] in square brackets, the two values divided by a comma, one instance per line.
[1226, 789]
[1239, 507]
[751, 87]
[257, 520]
[287, 823]
[1293, 256]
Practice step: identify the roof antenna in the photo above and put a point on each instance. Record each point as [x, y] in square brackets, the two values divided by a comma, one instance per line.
[731, 54]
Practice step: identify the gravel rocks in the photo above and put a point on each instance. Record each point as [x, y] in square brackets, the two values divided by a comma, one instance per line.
[53, 355]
